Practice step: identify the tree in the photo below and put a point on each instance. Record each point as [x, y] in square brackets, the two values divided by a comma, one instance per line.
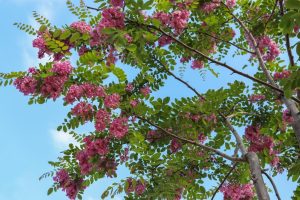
[172, 145]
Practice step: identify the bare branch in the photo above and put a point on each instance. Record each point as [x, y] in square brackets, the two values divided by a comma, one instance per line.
[287, 38]
[273, 184]
[224, 179]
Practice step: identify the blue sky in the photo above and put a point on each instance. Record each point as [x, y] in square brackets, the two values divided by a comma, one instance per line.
[28, 136]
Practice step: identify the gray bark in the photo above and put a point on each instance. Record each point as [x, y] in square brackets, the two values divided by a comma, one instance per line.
[256, 176]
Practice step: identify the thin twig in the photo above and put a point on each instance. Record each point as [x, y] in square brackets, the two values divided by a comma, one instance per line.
[287, 38]
[272, 13]
[225, 41]
[224, 179]
[192, 142]
[273, 184]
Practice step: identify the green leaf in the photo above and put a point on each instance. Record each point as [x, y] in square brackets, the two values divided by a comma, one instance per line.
[132, 47]
[50, 190]
[65, 35]
[293, 4]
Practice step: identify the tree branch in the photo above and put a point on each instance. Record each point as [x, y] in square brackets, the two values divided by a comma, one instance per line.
[228, 42]
[287, 38]
[224, 179]
[273, 184]
[192, 142]
[213, 60]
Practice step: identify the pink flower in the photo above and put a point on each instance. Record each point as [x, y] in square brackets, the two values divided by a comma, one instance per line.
[130, 186]
[40, 43]
[92, 91]
[237, 191]
[101, 146]
[124, 157]
[268, 48]
[119, 127]
[195, 118]
[112, 101]
[145, 90]
[74, 93]
[129, 87]
[230, 3]
[282, 75]
[153, 135]
[164, 40]
[134, 103]
[102, 118]
[209, 7]
[83, 159]
[32, 70]
[117, 3]
[82, 50]
[185, 59]
[128, 38]
[62, 68]
[256, 97]
[81, 27]
[83, 110]
[27, 85]
[197, 64]
[52, 86]
[71, 187]
[175, 146]
[140, 188]
[179, 20]
[164, 18]
[202, 138]
[111, 18]
[287, 116]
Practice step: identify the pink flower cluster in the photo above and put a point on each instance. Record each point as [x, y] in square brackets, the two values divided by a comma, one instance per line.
[40, 43]
[175, 145]
[197, 64]
[145, 90]
[268, 48]
[97, 147]
[111, 18]
[83, 110]
[117, 3]
[76, 92]
[71, 187]
[287, 116]
[259, 142]
[282, 75]
[81, 27]
[185, 59]
[101, 120]
[230, 3]
[139, 188]
[202, 138]
[209, 7]
[119, 127]
[52, 86]
[237, 191]
[153, 135]
[62, 68]
[124, 156]
[112, 101]
[164, 40]
[27, 85]
[178, 20]
[256, 97]
[129, 87]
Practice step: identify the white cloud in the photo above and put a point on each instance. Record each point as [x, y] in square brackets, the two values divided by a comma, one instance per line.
[61, 140]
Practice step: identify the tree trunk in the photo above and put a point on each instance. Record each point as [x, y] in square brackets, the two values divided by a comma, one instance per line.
[290, 104]
[256, 175]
